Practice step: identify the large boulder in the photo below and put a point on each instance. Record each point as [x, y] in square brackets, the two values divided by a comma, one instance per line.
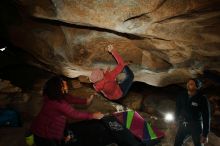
[165, 41]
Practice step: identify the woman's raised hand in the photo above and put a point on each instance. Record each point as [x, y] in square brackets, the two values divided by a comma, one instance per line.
[89, 100]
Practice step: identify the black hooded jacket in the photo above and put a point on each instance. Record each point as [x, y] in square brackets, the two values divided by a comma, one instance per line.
[194, 109]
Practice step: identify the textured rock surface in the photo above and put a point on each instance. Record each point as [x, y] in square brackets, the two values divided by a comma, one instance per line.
[166, 41]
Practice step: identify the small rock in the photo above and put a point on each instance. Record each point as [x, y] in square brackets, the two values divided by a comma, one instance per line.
[76, 84]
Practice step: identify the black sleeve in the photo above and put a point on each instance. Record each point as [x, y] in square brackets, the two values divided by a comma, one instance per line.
[206, 116]
[178, 108]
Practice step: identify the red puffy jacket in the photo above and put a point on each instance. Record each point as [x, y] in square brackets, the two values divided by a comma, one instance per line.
[51, 120]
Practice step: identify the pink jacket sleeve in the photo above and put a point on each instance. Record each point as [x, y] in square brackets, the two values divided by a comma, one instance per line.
[118, 69]
[72, 113]
[98, 86]
[75, 100]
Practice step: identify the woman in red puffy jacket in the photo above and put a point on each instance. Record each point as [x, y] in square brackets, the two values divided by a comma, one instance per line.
[48, 127]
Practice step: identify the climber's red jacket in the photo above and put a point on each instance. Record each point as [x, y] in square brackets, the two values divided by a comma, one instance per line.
[51, 120]
[108, 85]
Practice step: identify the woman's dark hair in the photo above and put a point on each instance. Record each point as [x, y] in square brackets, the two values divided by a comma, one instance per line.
[52, 88]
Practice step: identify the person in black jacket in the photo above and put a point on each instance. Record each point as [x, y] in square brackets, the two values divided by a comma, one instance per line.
[192, 115]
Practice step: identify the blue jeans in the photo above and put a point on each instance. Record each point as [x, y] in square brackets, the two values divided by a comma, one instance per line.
[127, 82]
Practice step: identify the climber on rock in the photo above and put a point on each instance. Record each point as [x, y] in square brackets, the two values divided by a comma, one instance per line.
[105, 81]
